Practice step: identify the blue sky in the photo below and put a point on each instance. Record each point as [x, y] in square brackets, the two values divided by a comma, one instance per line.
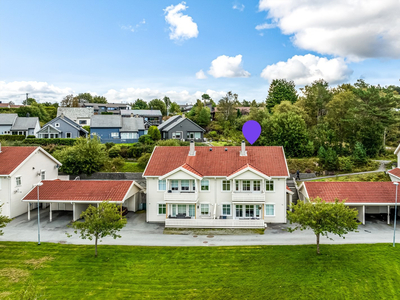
[127, 50]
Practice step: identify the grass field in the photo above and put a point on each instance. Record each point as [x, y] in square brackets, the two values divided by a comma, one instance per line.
[55, 271]
[131, 167]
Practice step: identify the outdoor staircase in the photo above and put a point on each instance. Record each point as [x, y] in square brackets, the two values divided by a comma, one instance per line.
[292, 186]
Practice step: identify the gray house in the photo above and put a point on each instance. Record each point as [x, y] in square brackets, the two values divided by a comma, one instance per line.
[150, 117]
[61, 127]
[181, 128]
[80, 115]
[12, 124]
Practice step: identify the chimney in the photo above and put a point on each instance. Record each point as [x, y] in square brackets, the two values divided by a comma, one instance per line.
[243, 152]
[192, 152]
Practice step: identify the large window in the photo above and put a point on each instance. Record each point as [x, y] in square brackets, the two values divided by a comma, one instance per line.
[185, 185]
[249, 211]
[129, 135]
[192, 209]
[174, 185]
[246, 185]
[205, 209]
[226, 185]
[162, 209]
[256, 185]
[162, 186]
[82, 122]
[269, 209]
[197, 135]
[205, 185]
[226, 209]
[18, 181]
[269, 185]
[114, 135]
[239, 211]
[181, 209]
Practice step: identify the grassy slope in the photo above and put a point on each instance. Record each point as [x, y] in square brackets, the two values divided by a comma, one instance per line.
[258, 272]
[363, 177]
[131, 167]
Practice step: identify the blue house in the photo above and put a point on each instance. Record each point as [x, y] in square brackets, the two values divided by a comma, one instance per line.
[116, 129]
[61, 127]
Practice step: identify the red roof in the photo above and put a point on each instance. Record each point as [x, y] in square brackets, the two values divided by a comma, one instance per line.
[353, 192]
[10, 105]
[288, 188]
[269, 160]
[190, 169]
[12, 157]
[81, 190]
[395, 172]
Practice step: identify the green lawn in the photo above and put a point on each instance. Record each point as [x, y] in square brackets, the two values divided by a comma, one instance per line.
[379, 176]
[131, 167]
[259, 272]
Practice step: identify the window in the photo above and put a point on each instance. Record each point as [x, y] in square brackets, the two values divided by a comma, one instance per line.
[249, 211]
[246, 185]
[173, 213]
[239, 211]
[174, 185]
[18, 180]
[173, 135]
[226, 185]
[237, 185]
[162, 209]
[185, 185]
[205, 209]
[43, 175]
[68, 135]
[258, 211]
[114, 134]
[269, 185]
[205, 185]
[226, 209]
[178, 135]
[269, 210]
[129, 135]
[57, 125]
[82, 122]
[192, 209]
[256, 185]
[181, 209]
[162, 185]
[193, 185]
[197, 135]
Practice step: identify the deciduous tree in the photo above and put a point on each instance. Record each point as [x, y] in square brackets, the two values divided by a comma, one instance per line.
[158, 104]
[154, 133]
[139, 104]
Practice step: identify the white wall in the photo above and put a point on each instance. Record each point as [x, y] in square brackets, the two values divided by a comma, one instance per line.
[5, 196]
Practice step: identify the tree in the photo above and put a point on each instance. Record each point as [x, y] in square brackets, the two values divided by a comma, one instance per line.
[85, 97]
[100, 99]
[29, 101]
[3, 221]
[158, 104]
[204, 117]
[327, 158]
[85, 157]
[359, 155]
[34, 110]
[139, 104]
[70, 101]
[281, 90]
[99, 222]
[227, 107]
[323, 218]
[146, 139]
[154, 133]
[167, 102]
[174, 108]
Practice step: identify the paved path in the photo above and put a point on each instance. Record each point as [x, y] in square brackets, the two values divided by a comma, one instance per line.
[139, 233]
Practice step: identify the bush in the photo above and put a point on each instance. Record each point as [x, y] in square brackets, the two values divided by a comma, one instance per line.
[43, 142]
[114, 165]
[345, 164]
[31, 137]
[146, 139]
[171, 142]
[143, 160]
[154, 133]
[114, 152]
[8, 137]
[109, 145]
[359, 154]
[327, 158]
[87, 128]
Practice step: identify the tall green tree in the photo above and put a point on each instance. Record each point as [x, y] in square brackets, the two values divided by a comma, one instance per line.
[85, 97]
[204, 117]
[281, 90]
[139, 104]
[174, 108]
[154, 133]
[323, 218]
[29, 101]
[3, 221]
[99, 222]
[226, 108]
[34, 110]
[100, 99]
[158, 104]
[167, 102]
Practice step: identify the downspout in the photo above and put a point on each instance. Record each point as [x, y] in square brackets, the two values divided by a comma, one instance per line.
[215, 197]
[9, 185]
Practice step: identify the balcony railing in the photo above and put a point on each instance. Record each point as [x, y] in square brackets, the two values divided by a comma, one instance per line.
[248, 197]
[214, 223]
[181, 196]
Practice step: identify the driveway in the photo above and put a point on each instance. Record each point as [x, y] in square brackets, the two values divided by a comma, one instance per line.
[138, 232]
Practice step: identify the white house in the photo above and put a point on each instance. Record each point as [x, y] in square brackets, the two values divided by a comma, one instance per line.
[217, 186]
[20, 169]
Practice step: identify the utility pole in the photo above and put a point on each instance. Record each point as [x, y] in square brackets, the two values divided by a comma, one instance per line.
[27, 98]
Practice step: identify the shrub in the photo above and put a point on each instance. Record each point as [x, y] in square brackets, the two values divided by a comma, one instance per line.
[143, 160]
[170, 142]
[8, 137]
[43, 142]
[359, 154]
[154, 133]
[345, 164]
[123, 151]
[87, 128]
[109, 145]
[31, 137]
[146, 139]
[327, 158]
[114, 152]
[113, 165]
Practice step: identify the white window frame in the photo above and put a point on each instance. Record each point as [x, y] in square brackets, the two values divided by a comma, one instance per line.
[265, 209]
[222, 186]
[158, 209]
[177, 181]
[70, 135]
[273, 186]
[187, 187]
[57, 125]
[243, 190]
[20, 180]
[201, 185]
[201, 210]
[230, 209]
[253, 190]
[115, 135]
[42, 172]
[158, 186]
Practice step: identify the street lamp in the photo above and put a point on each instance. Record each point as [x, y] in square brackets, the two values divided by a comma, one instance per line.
[395, 216]
[38, 210]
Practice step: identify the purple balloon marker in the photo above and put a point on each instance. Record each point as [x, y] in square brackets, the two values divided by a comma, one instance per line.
[251, 131]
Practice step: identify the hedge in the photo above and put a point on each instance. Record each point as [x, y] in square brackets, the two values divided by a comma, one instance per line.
[8, 137]
[43, 142]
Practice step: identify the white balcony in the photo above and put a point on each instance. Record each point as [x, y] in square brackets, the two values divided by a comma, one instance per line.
[248, 197]
[213, 223]
[184, 197]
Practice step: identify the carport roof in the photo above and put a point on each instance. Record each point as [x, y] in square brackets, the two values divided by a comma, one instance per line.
[395, 172]
[81, 190]
[352, 192]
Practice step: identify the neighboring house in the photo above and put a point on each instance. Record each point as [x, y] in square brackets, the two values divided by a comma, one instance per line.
[114, 108]
[9, 105]
[181, 128]
[61, 127]
[12, 124]
[115, 129]
[150, 117]
[394, 173]
[217, 186]
[186, 107]
[80, 115]
[20, 169]
[76, 195]
[366, 197]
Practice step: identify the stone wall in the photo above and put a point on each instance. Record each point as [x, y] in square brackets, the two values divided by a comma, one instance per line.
[304, 175]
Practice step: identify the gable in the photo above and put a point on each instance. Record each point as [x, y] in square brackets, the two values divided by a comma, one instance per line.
[248, 174]
[185, 125]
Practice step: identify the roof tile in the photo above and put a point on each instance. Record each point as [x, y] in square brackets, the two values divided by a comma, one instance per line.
[12, 157]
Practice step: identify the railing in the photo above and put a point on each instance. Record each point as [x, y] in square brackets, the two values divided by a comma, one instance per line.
[192, 197]
[214, 223]
[248, 197]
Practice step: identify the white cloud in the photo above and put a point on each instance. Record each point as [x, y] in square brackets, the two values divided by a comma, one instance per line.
[131, 94]
[356, 29]
[265, 26]
[239, 7]
[308, 68]
[133, 28]
[200, 75]
[227, 66]
[182, 26]
[41, 91]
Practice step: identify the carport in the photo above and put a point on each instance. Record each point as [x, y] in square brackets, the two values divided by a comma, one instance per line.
[76, 196]
[366, 197]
